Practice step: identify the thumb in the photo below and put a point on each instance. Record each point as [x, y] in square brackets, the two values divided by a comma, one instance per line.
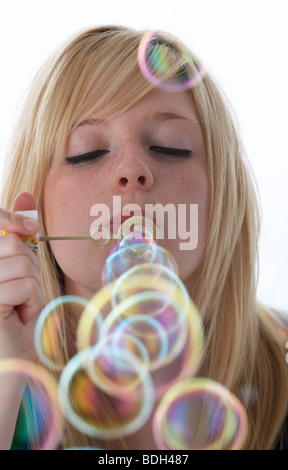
[24, 202]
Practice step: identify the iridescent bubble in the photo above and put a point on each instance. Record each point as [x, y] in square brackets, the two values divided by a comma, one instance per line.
[158, 65]
[136, 249]
[133, 254]
[185, 348]
[91, 409]
[40, 420]
[139, 316]
[101, 303]
[200, 414]
[150, 276]
[151, 334]
[154, 278]
[56, 329]
[110, 371]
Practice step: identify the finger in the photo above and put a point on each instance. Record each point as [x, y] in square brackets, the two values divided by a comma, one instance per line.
[18, 267]
[22, 294]
[11, 245]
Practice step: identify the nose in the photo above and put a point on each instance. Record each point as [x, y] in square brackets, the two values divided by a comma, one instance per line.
[132, 173]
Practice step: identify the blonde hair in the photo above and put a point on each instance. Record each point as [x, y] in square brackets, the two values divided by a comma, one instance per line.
[98, 70]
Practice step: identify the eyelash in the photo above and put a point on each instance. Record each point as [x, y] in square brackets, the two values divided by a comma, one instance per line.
[85, 158]
[172, 152]
[89, 157]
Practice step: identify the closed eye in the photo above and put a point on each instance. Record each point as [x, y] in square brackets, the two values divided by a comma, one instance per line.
[86, 158]
[171, 151]
[90, 157]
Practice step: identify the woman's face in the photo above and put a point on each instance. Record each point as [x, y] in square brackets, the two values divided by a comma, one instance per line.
[152, 155]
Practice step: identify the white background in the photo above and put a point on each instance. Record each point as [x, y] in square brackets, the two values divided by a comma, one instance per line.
[244, 43]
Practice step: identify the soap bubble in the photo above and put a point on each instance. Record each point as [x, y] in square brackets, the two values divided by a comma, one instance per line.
[136, 248]
[98, 409]
[157, 63]
[200, 414]
[110, 369]
[40, 421]
[56, 329]
[148, 332]
[135, 253]
[138, 314]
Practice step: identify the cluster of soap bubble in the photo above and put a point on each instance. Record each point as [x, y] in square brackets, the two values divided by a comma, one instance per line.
[138, 344]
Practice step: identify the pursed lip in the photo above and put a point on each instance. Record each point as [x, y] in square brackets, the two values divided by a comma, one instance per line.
[116, 222]
[118, 219]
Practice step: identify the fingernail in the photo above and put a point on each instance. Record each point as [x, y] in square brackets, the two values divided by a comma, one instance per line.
[30, 224]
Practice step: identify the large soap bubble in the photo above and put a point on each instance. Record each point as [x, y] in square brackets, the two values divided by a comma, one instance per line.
[200, 414]
[40, 420]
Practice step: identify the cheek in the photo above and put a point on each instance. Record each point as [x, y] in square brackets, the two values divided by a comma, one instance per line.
[198, 192]
[66, 205]
[59, 208]
[191, 187]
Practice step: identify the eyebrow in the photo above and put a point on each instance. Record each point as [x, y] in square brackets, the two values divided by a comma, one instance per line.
[168, 117]
[157, 116]
[89, 122]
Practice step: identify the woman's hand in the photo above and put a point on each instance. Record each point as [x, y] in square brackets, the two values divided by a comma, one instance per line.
[21, 296]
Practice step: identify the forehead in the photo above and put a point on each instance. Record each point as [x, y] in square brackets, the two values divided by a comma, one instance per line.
[156, 106]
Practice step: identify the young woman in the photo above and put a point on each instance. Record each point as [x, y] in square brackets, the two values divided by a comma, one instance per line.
[94, 127]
